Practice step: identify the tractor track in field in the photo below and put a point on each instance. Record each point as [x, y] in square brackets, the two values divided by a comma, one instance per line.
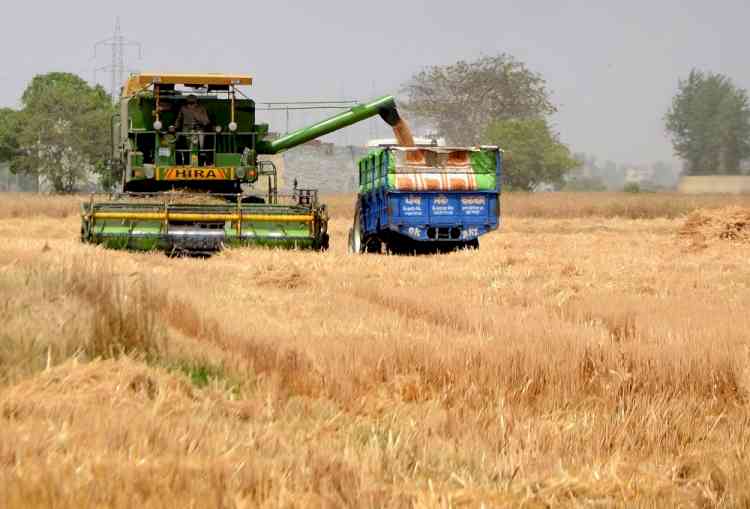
[410, 309]
[297, 374]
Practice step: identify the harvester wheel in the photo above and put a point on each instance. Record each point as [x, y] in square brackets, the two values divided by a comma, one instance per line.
[250, 199]
[85, 231]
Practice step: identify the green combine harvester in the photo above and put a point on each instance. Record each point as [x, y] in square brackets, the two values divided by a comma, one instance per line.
[193, 179]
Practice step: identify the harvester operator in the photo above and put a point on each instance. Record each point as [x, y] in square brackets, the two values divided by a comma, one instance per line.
[193, 118]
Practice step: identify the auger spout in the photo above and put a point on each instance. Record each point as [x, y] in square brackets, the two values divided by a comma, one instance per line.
[385, 107]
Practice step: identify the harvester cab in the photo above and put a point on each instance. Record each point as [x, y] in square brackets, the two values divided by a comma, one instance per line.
[190, 155]
[187, 131]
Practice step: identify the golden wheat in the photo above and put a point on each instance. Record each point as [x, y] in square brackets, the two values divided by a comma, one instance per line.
[579, 357]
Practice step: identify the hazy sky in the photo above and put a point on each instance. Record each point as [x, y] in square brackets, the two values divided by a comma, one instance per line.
[613, 66]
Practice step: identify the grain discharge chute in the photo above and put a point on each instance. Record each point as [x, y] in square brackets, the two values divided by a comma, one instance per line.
[193, 177]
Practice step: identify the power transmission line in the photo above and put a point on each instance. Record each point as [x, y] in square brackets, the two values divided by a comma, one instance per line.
[116, 68]
[288, 106]
[352, 102]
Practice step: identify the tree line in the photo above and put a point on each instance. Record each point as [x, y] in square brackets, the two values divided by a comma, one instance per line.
[62, 130]
[709, 123]
[494, 100]
[498, 100]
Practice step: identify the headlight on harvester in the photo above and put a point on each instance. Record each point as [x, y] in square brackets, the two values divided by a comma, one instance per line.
[158, 125]
[233, 126]
[149, 171]
[240, 173]
[217, 129]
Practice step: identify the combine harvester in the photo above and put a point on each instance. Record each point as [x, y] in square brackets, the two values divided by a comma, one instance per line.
[183, 167]
[425, 199]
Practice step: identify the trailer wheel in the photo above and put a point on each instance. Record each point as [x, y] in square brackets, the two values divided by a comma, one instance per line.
[355, 238]
[398, 248]
[373, 245]
[356, 244]
[472, 244]
[355, 241]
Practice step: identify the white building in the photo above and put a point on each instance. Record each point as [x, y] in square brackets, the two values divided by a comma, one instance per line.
[639, 175]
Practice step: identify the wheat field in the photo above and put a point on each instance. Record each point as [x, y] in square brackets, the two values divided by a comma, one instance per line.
[592, 352]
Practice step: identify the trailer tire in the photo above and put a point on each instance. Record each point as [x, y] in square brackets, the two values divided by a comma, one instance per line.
[471, 244]
[355, 244]
[373, 245]
[355, 240]
[399, 248]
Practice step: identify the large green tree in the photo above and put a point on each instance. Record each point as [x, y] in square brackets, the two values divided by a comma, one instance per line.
[709, 123]
[534, 153]
[462, 99]
[8, 134]
[63, 130]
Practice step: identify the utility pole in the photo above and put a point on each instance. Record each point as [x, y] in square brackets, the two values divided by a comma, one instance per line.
[116, 68]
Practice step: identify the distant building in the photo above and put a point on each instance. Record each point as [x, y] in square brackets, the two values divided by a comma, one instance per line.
[15, 182]
[5, 180]
[324, 166]
[639, 174]
[714, 184]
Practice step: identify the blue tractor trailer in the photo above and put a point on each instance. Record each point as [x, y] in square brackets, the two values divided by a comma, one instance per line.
[426, 199]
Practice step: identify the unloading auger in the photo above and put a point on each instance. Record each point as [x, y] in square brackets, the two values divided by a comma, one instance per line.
[185, 144]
